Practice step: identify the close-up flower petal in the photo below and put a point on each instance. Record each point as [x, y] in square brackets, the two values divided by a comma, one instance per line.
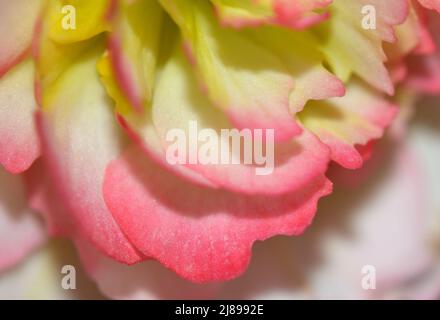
[219, 149]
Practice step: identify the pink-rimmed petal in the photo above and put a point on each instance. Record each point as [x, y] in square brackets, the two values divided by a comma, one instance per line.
[19, 145]
[79, 137]
[346, 123]
[202, 234]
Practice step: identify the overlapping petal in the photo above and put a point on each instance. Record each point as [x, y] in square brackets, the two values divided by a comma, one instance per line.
[348, 122]
[200, 233]
[350, 48]
[176, 102]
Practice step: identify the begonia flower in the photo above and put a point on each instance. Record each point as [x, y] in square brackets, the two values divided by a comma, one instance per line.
[90, 90]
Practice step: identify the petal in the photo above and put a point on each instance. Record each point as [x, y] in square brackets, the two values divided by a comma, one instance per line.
[17, 22]
[20, 229]
[134, 49]
[300, 54]
[344, 123]
[202, 234]
[296, 14]
[389, 14]
[19, 145]
[79, 137]
[412, 36]
[350, 48]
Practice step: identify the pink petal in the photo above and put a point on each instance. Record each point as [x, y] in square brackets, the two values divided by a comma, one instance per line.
[390, 14]
[299, 14]
[346, 123]
[79, 137]
[19, 145]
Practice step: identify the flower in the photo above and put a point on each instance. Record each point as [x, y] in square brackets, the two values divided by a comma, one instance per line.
[112, 78]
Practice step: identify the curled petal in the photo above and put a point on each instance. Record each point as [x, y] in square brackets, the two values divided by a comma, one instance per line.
[349, 48]
[344, 123]
[202, 234]
[300, 54]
